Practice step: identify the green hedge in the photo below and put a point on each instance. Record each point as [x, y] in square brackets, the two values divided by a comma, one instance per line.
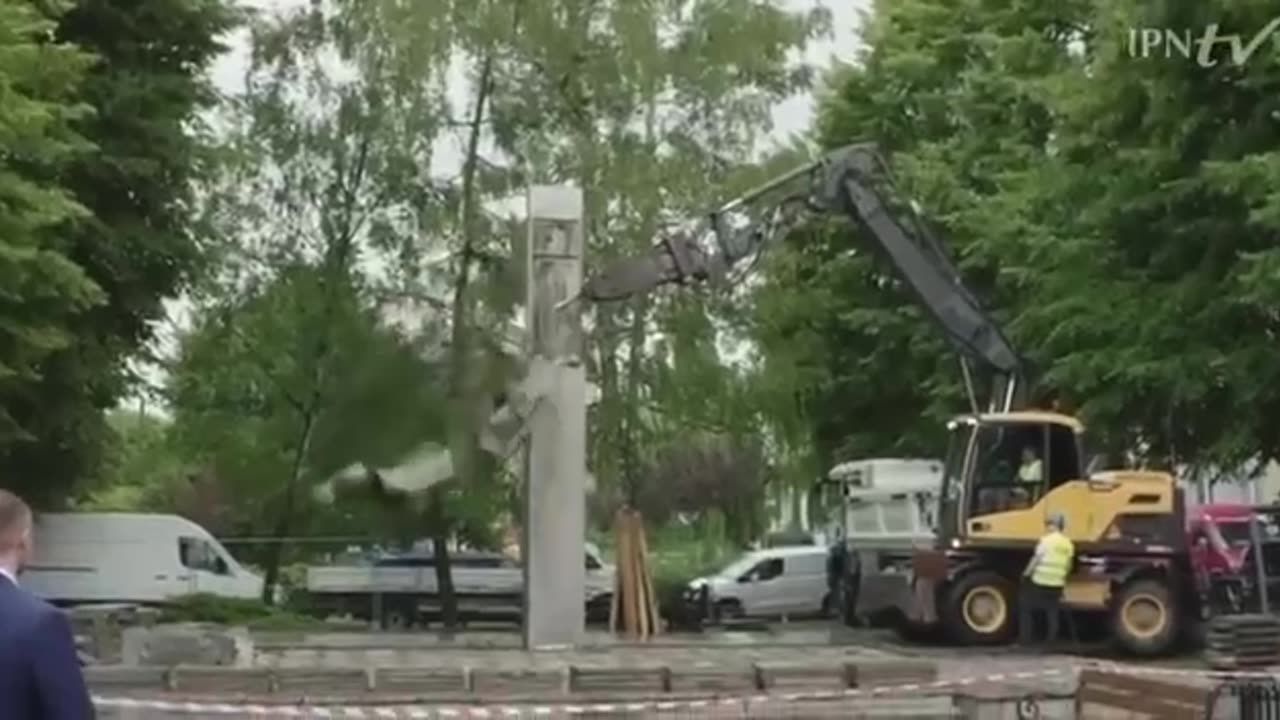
[206, 608]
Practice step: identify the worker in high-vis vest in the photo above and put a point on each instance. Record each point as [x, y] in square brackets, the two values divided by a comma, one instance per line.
[1044, 579]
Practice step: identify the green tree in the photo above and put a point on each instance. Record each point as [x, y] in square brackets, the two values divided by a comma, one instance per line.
[475, 275]
[44, 289]
[1113, 211]
[133, 237]
[322, 191]
[1168, 352]
[142, 470]
[270, 417]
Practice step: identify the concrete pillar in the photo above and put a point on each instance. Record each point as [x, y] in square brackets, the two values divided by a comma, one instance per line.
[555, 513]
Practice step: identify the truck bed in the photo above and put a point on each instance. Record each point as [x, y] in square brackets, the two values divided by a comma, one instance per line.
[476, 582]
[365, 579]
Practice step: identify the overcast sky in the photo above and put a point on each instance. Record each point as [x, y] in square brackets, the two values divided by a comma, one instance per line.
[790, 117]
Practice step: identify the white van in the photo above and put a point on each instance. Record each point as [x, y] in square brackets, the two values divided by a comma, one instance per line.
[130, 558]
[770, 582]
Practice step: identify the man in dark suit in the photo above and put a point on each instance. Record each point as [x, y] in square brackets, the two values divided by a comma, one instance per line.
[40, 677]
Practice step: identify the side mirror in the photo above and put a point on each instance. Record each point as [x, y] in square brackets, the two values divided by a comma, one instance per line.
[749, 577]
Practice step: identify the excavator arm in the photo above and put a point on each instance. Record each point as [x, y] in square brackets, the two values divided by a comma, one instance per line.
[853, 181]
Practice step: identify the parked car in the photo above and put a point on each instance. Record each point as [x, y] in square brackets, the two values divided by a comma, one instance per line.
[771, 582]
[141, 558]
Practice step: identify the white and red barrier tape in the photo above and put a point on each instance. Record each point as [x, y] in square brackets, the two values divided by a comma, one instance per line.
[454, 712]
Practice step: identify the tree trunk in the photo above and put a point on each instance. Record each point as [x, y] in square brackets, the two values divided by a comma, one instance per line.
[337, 256]
[444, 569]
[606, 429]
[635, 358]
[636, 335]
[284, 523]
[463, 397]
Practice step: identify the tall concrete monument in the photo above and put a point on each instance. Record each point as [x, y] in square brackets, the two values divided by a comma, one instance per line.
[555, 512]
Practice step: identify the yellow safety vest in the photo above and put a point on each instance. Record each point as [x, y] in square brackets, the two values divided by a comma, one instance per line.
[1053, 566]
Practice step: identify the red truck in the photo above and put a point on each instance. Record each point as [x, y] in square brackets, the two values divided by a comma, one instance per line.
[1226, 578]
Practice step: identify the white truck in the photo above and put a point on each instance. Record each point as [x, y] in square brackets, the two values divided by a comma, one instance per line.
[401, 590]
[882, 509]
[135, 558]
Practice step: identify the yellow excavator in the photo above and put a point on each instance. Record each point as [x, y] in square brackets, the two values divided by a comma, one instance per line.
[1128, 526]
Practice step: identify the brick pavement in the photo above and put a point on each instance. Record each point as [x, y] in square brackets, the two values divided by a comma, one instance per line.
[499, 652]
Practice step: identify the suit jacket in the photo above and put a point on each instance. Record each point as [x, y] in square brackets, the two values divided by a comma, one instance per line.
[40, 677]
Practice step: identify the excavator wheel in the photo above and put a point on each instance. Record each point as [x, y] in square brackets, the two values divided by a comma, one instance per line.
[1144, 618]
[979, 609]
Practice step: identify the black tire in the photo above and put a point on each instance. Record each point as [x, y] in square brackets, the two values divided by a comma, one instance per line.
[598, 609]
[1144, 618]
[731, 609]
[980, 608]
[849, 602]
[828, 608]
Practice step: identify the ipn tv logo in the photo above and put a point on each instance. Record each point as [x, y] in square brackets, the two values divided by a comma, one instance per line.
[1168, 43]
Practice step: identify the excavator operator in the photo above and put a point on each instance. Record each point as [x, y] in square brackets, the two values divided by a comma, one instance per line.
[1031, 472]
[1030, 477]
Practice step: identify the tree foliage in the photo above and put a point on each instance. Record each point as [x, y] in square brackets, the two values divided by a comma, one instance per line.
[124, 234]
[707, 474]
[1117, 213]
[322, 187]
[654, 109]
[246, 409]
[329, 183]
[44, 289]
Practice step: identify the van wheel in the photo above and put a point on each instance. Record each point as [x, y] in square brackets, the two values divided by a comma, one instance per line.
[1144, 618]
[979, 609]
[731, 609]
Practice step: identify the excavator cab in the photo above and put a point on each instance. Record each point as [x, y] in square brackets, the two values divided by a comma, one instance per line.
[1003, 473]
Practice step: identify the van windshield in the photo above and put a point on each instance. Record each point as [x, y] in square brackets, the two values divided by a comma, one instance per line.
[740, 566]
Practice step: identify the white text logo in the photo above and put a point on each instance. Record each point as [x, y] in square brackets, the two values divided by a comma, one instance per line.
[1157, 42]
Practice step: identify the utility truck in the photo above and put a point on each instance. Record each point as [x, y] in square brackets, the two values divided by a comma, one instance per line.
[401, 590]
[882, 510]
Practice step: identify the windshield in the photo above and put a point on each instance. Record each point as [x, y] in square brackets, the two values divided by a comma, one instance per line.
[953, 468]
[740, 566]
[953, 479]
[1233, 532]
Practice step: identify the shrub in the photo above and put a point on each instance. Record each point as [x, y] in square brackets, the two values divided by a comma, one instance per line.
[207, 608]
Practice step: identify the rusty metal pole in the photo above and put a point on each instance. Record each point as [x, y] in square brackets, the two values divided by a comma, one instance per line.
[555, 489]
